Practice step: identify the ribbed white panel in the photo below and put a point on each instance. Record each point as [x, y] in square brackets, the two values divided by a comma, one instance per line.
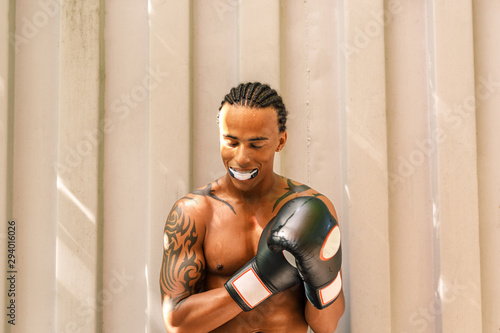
[366, 161]
[108, 115]
[125, 177]
[79, 196]
[170, 136]
[487, 77]
[456, 188]
[411, 150]
[34, 199]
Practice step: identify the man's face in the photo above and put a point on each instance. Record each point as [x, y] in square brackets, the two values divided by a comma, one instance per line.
[249, 138]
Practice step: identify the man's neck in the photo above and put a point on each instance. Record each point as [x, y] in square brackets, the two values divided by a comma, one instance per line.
[263, 190]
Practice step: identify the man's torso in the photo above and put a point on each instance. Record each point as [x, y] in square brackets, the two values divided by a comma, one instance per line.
[232, 231]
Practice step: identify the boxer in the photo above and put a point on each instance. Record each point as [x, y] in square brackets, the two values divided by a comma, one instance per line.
[252, 251]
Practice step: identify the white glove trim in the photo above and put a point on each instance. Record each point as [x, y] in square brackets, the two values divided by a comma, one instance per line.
[330, 292]
[331, 245]
[250, 288]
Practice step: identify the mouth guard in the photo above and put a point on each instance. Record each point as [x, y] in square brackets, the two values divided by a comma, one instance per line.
[243, 175]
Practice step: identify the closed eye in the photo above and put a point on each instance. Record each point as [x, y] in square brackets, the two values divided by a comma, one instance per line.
[258, 142]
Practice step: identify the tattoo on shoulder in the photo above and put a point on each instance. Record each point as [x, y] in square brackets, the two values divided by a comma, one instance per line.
[292, 189]
[181, 266]
[208, 192]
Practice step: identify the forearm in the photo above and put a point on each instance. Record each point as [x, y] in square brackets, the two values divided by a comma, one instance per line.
[325, 320]
[202, 312]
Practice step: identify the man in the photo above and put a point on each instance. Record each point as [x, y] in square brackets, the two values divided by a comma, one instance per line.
[242, 253]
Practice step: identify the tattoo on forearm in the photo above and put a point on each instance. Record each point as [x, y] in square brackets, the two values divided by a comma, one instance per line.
[292, 188]
[181, 266]
[208, 192]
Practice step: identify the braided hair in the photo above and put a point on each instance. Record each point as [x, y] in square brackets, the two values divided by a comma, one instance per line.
[257, 95]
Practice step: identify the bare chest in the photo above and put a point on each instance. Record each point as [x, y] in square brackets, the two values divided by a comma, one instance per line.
[231, 241]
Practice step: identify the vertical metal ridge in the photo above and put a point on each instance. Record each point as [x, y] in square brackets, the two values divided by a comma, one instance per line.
[345, 154]
[308, 91]
[100, 169]
[433, 110]
[238, 43]
[10, 84]
[191, 95]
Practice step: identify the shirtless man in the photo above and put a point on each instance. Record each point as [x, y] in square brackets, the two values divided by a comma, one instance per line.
[212, 234]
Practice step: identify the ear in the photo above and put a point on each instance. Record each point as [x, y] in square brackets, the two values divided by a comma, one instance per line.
[282, 141]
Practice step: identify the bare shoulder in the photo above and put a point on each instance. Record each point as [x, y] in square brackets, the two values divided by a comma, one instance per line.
[188, 218]
[201, 203]
[196, 203]
[211, 196]
[293, 189]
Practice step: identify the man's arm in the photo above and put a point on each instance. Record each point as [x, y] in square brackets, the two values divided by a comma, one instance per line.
[307, 228]
[185, 307]
[326, 320]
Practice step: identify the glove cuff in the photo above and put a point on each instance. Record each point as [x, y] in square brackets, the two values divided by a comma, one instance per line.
[246, 288]
[325, 296]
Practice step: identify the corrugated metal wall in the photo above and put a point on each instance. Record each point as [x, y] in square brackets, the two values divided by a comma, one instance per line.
[107, 116]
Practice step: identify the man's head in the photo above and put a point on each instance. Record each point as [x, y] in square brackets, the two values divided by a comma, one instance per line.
[257, 95]
[252, 129]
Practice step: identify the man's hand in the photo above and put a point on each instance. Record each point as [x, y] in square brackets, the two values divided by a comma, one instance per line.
[263, 276]
[307, 233]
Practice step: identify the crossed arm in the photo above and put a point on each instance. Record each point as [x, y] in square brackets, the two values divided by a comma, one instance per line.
[182, 275]
[326, 320]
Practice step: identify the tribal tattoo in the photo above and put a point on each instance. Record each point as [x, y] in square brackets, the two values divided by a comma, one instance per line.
[182, 271]
[208, 192]
[292, 189]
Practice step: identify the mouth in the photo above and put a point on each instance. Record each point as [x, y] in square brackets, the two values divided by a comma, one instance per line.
[243, 175]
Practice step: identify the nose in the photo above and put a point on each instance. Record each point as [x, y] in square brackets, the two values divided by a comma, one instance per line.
[242, 157]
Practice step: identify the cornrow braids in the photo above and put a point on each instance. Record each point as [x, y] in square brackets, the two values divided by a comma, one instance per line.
[257, 95]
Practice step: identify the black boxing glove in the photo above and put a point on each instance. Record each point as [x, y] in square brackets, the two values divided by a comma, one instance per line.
[309, 235]
[264, 275]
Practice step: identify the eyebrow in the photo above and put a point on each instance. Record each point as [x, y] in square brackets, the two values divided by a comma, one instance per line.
[259, 138]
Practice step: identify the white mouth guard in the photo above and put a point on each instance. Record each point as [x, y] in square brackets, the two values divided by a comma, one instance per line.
[243, 175]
